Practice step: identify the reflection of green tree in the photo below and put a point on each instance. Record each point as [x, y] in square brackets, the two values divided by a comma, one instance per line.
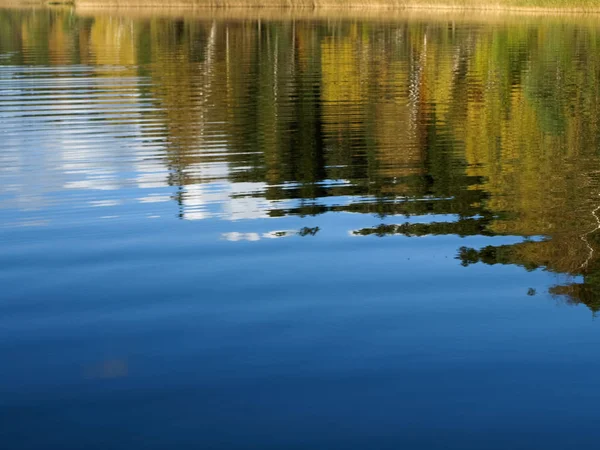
[586, 292]
[307, 231]
[463, 227]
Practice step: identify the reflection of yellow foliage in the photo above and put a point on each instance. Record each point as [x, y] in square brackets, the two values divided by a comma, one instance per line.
[112, 41]
[365, 93]
[58, 42]
[343, 83]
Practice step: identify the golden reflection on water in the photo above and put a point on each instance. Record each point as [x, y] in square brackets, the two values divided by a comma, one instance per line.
[495, 122]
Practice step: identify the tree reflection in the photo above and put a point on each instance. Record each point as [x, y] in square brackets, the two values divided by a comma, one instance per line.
[497, 125]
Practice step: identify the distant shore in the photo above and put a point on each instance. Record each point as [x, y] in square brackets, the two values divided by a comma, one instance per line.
[378, 6]
[502, 5]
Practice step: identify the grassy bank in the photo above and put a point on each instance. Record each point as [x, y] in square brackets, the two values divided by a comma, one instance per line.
[429, 15]
[498, 5]
[373, 6]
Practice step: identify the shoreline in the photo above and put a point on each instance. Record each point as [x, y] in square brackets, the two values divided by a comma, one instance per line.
[378, 6]
[315, 8]
[546, 6]
[496, 16]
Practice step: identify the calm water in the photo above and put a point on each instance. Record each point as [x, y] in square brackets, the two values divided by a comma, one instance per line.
[310, 234]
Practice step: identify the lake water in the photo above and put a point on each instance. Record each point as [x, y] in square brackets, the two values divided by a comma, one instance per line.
[229, 233]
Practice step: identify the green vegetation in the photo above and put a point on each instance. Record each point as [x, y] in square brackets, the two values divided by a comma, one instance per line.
[522, 5]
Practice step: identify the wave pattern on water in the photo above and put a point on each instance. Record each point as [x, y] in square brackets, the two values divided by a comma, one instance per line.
[232, 234]
[201, 119]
